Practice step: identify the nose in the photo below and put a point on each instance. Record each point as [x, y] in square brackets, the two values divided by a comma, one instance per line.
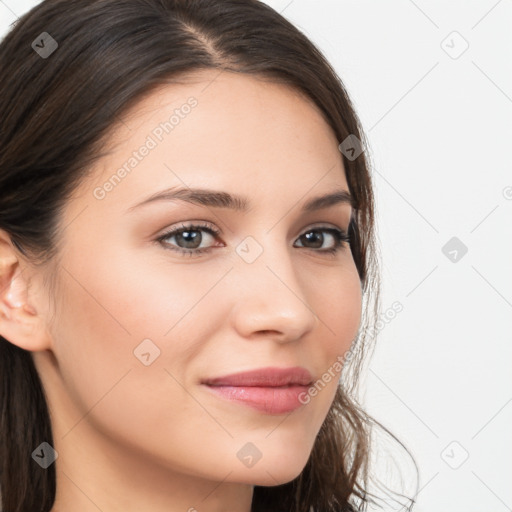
[271, 300]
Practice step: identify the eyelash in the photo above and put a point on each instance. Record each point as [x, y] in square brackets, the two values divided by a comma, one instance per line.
[339, 235]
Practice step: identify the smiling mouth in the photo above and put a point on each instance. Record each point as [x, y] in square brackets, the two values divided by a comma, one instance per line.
[269, 399]
[271, 390]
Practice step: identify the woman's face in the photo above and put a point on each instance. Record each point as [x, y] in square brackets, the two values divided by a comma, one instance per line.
[139, 325]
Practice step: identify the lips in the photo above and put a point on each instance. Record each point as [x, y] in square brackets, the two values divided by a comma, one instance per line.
[268, 390]
[265, 377]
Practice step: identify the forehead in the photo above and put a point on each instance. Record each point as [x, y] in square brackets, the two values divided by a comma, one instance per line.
[224, 130]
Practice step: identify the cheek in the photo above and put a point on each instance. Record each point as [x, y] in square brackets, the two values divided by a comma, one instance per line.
[338, 304]
[112, 316]
[105, 313]
[339, 308]
[93, 340]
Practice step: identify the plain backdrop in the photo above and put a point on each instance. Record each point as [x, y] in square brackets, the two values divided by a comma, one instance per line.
[432, 84]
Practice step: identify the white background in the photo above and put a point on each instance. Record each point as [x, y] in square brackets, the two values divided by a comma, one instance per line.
[438, 124]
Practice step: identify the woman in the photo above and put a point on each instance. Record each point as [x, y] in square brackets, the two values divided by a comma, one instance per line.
[188, 263]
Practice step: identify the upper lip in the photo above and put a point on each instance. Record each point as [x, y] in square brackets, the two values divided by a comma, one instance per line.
[265, 377]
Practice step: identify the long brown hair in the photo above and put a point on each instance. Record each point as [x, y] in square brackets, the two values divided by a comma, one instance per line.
[57, 110]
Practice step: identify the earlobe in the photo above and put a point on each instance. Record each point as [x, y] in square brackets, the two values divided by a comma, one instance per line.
[19, 322]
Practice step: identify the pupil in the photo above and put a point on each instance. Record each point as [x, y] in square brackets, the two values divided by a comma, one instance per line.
[195, 237]
[313, 235]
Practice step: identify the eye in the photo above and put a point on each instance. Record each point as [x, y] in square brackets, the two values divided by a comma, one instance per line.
[188, 239]
[313, 235]
[190, 236]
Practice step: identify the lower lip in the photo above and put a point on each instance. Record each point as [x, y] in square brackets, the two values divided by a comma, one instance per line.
[271, 400]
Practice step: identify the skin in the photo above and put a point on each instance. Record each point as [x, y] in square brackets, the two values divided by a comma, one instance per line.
[134, 437]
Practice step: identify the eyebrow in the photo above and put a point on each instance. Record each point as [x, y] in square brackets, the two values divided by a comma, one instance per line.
[220, 199]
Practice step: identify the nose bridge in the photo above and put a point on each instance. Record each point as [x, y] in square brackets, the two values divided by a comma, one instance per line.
[272, 297]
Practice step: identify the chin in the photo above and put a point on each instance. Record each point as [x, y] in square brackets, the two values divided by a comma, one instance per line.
[275, 478]
[277, 470]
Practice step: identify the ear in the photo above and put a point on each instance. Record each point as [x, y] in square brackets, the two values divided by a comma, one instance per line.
[20, 323]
